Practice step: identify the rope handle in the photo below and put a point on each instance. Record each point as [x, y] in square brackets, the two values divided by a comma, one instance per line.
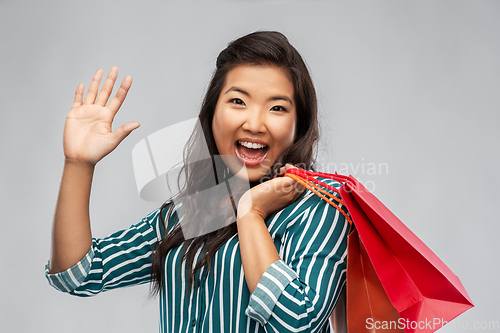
[337, 177]
[310, 185]
[309, 174]
[305, 174]
[301, 173]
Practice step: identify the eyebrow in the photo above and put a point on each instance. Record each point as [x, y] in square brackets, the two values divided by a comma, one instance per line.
[273, 98]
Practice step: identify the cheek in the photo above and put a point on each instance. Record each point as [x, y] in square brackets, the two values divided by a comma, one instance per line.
[216, 124]
[217, 133]
[286, 133]
[222, 128]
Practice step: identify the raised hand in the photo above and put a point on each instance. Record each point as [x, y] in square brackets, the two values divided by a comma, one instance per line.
[87, 132]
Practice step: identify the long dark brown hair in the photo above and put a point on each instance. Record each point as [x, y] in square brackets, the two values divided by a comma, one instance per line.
[266, 48]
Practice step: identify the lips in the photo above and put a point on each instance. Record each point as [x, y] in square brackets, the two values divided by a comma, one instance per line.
[251, 152]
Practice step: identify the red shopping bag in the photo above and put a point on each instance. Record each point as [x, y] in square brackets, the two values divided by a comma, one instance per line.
[395, 282]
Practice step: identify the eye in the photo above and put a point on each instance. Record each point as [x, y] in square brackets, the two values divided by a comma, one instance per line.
[278, 108]
[236, 101]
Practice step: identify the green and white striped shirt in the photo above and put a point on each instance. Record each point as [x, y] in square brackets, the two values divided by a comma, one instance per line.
[295, 294]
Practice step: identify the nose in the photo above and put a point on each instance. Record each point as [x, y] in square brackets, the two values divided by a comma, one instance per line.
[255, 121]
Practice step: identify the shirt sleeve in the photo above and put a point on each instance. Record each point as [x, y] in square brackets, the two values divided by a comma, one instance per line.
[120, 260]
[298, 292]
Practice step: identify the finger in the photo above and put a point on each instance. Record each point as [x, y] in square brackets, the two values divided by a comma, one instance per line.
[123, 131]
[284, 184]
[107, 87]
[299, 191]
[299, 188]
[117, 101]
[78, 96]
[93, 88]
[292, 187]
[295, 186]
[285, 168]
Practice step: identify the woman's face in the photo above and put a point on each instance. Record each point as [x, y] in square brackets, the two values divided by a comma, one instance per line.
[255, 118]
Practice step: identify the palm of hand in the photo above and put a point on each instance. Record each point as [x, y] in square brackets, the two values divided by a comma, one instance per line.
[87, 133]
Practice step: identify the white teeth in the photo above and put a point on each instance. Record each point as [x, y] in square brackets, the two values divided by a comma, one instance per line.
[252, 145]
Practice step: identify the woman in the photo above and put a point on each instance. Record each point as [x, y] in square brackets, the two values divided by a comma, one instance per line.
[279, 268]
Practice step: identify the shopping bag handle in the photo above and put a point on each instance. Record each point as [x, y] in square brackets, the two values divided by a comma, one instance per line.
[309, 183]
[310, 174]
[337, 177]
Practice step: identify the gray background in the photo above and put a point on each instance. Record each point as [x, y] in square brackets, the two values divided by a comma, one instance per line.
[410, 85]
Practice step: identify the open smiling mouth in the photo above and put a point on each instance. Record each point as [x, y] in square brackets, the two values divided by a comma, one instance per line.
[251, 153]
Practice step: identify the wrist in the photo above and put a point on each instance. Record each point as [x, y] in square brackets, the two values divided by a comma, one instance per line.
[79, 164]
[247, 208]
[82, 170]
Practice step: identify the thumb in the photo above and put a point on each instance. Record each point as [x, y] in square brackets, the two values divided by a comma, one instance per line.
[123, 131]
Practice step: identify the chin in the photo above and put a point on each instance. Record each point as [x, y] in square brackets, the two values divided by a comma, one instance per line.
[253, 176]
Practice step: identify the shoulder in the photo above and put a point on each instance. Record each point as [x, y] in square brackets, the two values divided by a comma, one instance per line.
[313, 208]
[332, 187]
[330, 182]
[312, 198]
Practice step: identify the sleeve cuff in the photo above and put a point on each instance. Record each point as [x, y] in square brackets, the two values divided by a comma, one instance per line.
[72, 278]
[271, 285]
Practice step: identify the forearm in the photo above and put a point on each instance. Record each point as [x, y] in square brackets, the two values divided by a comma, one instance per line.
[257, 248]
[297, 293]
[71, 233]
